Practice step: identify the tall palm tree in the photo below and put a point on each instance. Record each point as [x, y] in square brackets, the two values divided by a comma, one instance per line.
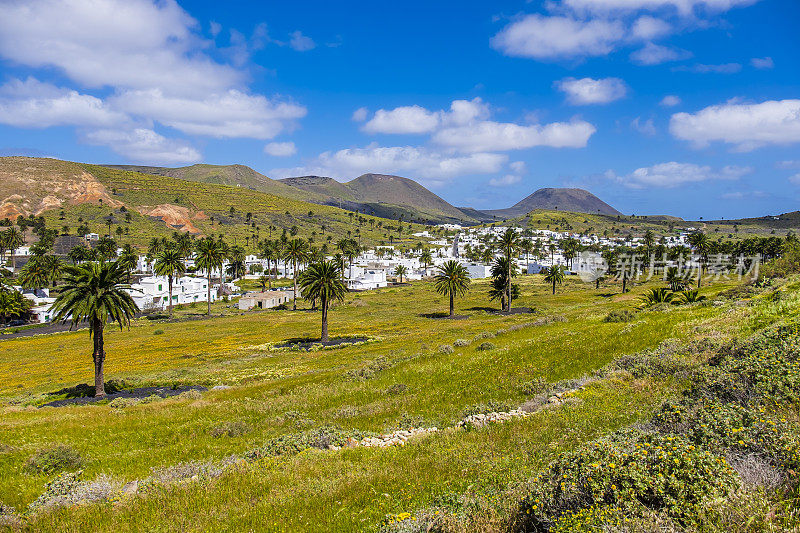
[169, 262]
[453, 280]
[498, 289]
[236, 266]
[34, 274]
[269, 251]
[554, 275]
[702, 245]
[509, 243]
[184, 244]
[426, 259]
[400, 271]
[321, 281]
[296, 252]
[128, 259]
[13, 240]
[13, 305]
[53, 266]
[95, 292]
[209, 256]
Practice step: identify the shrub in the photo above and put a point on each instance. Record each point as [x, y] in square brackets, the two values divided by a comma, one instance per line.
[655, 296]
[446, 349]
[492, 406]
[458, 343]
[484, 335]
[625, 315]
[122, 403]
[234, 428]
[191, 394]
[158, 332]
[59, 458]
[397, 388]
[534, 387]
[485, 346]
[320, 438]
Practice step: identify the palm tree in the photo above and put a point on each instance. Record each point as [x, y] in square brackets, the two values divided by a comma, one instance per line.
[498, 290]
[209, 256]
[95, 292]
[676, 281]
[400, 271]
[509, 243]
[169, 262]
[13, 240]
[554, 275]
[453, 280]
[236, 266]
[269, 251]
[53, 266]
[321, 281]
[690, 296]
[656, 296]
[128, 259]
[13, 305]
[702, 245]
[426, 259]
[295, 251]
[34, 274]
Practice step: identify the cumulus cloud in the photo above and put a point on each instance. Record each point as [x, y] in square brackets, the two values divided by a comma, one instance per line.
[725, 68]
[673, 174]
[647, 28]
[762, 62]
[145, 145]
[424, 164]
[33, 104]
[645, 127]
[795, 179]
[747, 126]
[228, 114]
[283, 149]
[586, 91]
[499, 136]
[360, 114]
[127, 43]
[558, 37]
[417, 119]
[656, 54]
[300, 42]
[406, 119]
[685, 7]
[670, 100]
[505, 181]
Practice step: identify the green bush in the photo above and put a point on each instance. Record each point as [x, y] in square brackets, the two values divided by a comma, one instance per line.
[446, 349]
[320, 438]
[158, 332]
[624, 315]
[234, 428]
[59, 458]
[485, 346]
[459, 343]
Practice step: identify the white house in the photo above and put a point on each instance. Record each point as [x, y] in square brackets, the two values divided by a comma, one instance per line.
[42, 302]
[363, 279]
[152, 292]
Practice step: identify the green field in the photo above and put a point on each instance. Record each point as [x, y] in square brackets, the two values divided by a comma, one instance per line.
[401, 378]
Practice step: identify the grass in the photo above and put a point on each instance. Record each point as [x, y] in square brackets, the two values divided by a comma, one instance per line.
[276, 393]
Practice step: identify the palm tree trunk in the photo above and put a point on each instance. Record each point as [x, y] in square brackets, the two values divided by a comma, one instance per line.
[99, 357]
[169, 284]
[324, 336]
[209, 292]
[624, 281]
[294, 278]
[597, 283]
[269, 272]
[508, 300]
[554, 286]
[452, 307]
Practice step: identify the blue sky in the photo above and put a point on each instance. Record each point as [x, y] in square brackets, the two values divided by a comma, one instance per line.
[684, 107]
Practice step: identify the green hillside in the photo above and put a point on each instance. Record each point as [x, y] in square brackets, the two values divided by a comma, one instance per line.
[143, 205]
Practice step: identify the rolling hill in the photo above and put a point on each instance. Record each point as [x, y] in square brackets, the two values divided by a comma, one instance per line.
[68, 195]
[557, 199]
[383, 195]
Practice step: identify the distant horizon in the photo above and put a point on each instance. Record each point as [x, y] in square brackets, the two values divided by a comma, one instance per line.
[682, 107]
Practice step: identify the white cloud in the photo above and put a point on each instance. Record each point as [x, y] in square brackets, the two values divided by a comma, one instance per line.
[655, 54]
[406, 119]
[788, 164]
[795, 179]
[645, 127]
[586, 91]
[300, 42]
[672, 174]
[283, 149]
[670, 100]
[360, 114]
[558, 37]
[33, 104]
[417, 119]
[747, 126]
[419, 163]
[498, 136]
[228, 114]
[505, 181]
[517, 166]
[118, 43]
[647, 28]
[685, 7]
[725, 68]
[145, 145]
[762, 62]
[743, 195]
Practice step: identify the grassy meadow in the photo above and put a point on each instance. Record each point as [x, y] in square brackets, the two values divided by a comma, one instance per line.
[402, 377]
